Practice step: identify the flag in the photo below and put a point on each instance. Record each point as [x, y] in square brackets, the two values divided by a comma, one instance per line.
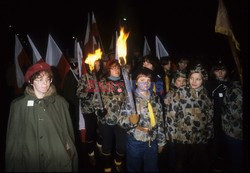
[112, 46]
[87, 41]
[96, 34]
[92, 39]
[160, 50]
[116, 50]
[79, 57]
[82, 124]
[146, 48]
[55, 57]
[21, 63]
[36, 54]
[223, 25]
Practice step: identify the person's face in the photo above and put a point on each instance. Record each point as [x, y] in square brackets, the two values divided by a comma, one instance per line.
[115, 71]
[143, 83]
[182, 65]
[41, 84]
[97, 65]
[180, 82]
[195, 80]
[148, 65]
[220, 74]
[167, 66]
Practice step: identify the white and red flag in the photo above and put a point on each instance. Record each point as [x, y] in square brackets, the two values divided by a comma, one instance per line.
[35, 54]
[22, 62]
[55, 57]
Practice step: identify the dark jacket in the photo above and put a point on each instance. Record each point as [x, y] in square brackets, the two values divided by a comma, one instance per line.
[40, 135]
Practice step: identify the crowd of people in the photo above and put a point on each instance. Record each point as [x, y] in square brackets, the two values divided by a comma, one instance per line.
[182, 117]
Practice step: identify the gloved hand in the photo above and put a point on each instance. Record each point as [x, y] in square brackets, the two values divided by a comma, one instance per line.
[134, 118]
[102, 112]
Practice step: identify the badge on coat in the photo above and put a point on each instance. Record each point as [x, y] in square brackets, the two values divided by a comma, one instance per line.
[30, 103]
[220, 94]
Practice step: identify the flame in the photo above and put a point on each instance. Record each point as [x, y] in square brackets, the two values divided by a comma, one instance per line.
[92, 57]
[121, 45]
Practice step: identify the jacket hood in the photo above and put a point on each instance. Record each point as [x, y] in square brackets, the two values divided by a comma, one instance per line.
[31, 92]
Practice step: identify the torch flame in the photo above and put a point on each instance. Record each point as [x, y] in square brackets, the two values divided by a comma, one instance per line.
[121, 45]
[92, 57]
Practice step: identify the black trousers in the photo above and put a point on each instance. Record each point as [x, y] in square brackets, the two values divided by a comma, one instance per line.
[91, 127]
[193, 157]
[112, 134]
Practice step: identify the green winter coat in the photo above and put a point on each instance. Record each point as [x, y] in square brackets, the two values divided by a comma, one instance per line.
[40, 135]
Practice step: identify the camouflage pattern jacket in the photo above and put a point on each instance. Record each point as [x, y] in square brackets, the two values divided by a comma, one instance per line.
[232, 111]
[113, 94]
[86, 92]
[189, 116]
[154, 133]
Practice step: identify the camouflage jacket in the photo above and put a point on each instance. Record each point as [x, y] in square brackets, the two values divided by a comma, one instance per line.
[113, 94]
[155, 133]
[189, 115]
[232, 111]
[86, 92]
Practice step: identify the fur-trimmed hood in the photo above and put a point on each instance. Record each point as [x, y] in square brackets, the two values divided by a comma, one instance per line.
[30, 91]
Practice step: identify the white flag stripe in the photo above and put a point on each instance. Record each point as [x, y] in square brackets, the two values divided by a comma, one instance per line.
[160, 50]
[36, 54]
[79, 58]
[87, 32]
[54, 53]
[81, 119]
[116, 50]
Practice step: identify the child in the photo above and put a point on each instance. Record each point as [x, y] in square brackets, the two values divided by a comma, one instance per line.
[189, 123]
[145, 132]
[179, 81]
[113, 93]
[166, 63]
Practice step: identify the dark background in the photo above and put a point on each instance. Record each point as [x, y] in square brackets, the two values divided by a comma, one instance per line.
[186, 28]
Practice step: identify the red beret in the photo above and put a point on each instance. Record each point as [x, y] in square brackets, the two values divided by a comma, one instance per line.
[36, 68]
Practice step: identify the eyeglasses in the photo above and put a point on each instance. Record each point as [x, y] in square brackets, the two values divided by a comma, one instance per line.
[41, 80]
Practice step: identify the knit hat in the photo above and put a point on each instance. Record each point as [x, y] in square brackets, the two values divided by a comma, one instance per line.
[179, 74]
[219, 65]
[40, 66]
[199, 69]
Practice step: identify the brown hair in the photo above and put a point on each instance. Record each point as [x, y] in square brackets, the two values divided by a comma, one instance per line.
[111, 65]
[40, 73]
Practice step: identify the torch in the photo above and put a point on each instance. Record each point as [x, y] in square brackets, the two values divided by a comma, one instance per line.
[90, 60]
[121, 50]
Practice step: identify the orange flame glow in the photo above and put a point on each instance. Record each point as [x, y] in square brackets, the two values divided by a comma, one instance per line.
[91, 58]
[121, 45]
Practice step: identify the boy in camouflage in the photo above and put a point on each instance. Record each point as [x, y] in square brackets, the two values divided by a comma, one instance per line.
[145, 132]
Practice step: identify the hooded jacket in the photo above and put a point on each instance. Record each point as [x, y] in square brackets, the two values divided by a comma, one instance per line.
[40, 135]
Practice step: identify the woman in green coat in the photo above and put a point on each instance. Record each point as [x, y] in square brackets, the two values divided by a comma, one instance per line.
[40, 135]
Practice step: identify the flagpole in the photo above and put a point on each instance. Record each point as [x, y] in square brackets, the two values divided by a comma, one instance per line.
[236, 58]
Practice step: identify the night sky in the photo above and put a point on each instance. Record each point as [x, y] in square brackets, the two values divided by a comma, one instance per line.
[186, 27]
